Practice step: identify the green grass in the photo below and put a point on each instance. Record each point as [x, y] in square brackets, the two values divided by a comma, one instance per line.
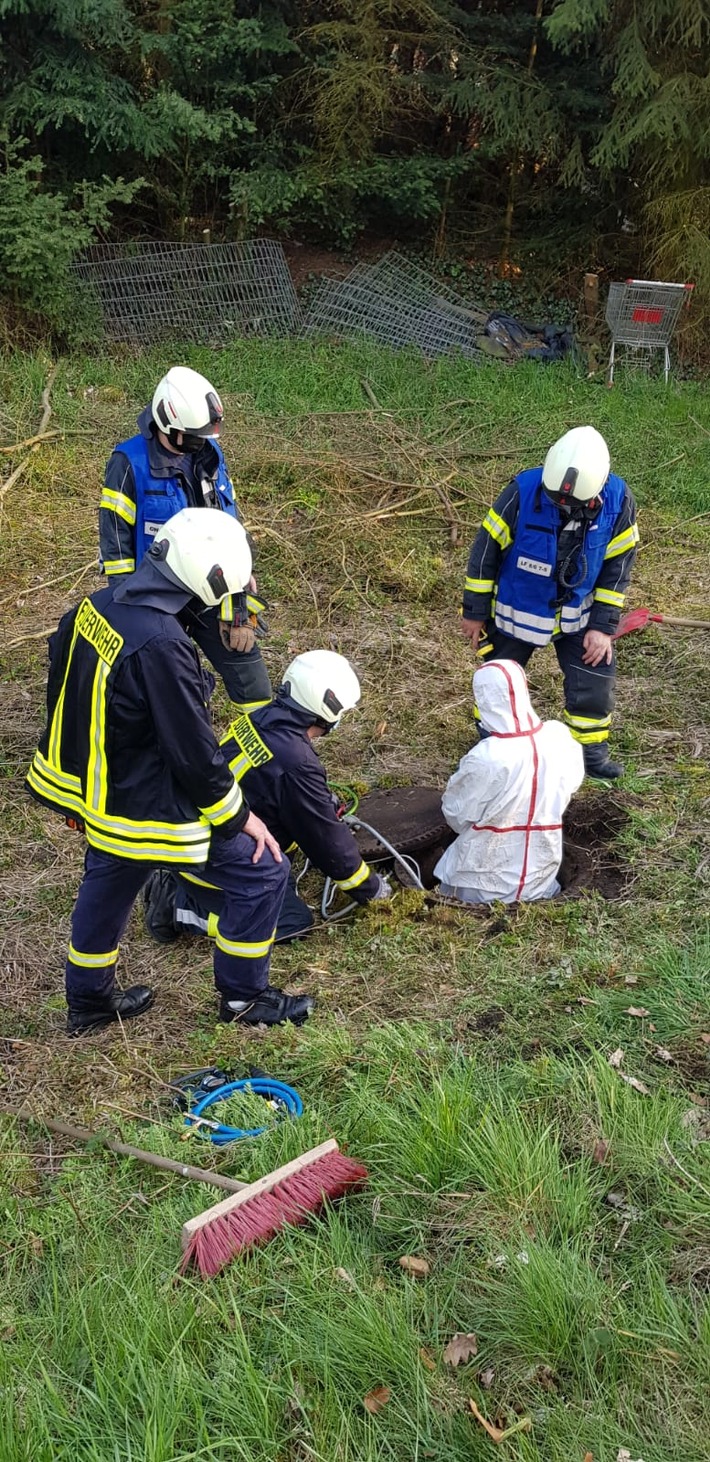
[464, 1060]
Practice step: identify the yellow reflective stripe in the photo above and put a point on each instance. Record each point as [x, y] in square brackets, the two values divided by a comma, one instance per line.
[212, 926]
[484, 649]
[239, 766]
[227, 806]
[117, 502]
[96, 773]
[240, 949]
[479, 586]
[55, 735]
[292, 848]
[498, 528]
[255, 606]
[247, 706]
[140, 852]
[65, 788]
[358, 877]
[192, 878]
[589, 738]
[60, 798]
[609, 596]
[119, 566]
[586, 720]
[623, 542]
[92, 961]
[226, 608]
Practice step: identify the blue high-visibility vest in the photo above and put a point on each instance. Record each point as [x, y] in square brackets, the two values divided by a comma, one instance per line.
[158, 498]
[527, 592]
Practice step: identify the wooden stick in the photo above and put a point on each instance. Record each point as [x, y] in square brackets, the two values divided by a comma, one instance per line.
[367, 388]
[254, 1190]
[47, 436]
[44, 418]
[125, 1149]
[689, 623]
[47, 584]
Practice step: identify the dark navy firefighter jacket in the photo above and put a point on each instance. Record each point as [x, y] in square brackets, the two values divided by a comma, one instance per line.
[280, 772]
[129, 751]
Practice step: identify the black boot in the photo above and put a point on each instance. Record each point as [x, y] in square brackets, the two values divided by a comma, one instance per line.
[159, 907]
[269, 1007]
[597, 763]
[93, 1013]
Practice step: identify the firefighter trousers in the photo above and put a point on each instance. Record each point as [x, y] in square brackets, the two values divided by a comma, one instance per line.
[245, 676]
[252, 894]
[588, 689]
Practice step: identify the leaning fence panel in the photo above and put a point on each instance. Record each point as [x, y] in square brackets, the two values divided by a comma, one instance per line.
[208, 293]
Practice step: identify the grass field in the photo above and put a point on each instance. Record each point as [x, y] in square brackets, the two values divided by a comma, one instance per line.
[564, 1213]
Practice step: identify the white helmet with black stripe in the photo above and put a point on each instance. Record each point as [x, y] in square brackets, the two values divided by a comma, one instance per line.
[324, 683]
[577, 466]
[204, 551]
[187, 409]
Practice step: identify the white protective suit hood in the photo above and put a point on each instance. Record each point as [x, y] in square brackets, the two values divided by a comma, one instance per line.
[507, 799]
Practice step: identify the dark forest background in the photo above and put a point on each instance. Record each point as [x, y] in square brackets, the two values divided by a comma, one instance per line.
[542, 135]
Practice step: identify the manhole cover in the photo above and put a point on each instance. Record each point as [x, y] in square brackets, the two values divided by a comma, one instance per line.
[409, 817]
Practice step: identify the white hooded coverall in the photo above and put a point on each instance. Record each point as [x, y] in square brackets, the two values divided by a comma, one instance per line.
[507, 799]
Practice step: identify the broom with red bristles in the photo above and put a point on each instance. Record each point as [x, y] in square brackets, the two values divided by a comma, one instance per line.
[254, 1212]
[259, 1210]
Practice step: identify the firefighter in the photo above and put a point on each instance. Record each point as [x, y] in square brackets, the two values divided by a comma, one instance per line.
[129, 755]
[175, 462]
[272, 754]
[552, 561]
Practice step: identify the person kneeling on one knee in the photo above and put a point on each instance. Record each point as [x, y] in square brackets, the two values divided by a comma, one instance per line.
[273, 755]
[129, 754]
[552, 561]
[507, 799]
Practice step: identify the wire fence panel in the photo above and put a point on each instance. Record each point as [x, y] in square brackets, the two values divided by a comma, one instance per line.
[398, 304]
[644, 312]
[208, 293]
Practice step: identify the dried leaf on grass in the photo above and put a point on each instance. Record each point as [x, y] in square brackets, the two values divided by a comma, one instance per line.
[664, 1054]
[624, 1455]
[494, 1432]
[635, 1083]
[344, 1277]
[376, 1399]
[487, 1378]
[631, 979]
[600, 1150]
[418, 1268]
[460, 1349]
[589, 1457]
[639, 1011]
[616, 1058]
[705, 1037]
[427, 1358]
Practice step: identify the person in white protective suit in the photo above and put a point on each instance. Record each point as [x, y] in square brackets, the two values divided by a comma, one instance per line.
[507, 798]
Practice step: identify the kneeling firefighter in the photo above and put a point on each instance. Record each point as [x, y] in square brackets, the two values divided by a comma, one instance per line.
[129, 755]
[552, 561]
[272, 754]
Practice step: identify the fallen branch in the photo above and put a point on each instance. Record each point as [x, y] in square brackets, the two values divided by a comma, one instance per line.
[48, 583]
[39, 634]
[367, 388]
[44, 418]
[47, 436]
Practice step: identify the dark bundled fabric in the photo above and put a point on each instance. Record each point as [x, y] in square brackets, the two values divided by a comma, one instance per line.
[545, 343]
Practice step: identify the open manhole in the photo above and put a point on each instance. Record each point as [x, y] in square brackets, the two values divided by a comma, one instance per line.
[412, 821]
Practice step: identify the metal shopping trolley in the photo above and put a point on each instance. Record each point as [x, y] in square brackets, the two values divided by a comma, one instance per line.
[642, 315]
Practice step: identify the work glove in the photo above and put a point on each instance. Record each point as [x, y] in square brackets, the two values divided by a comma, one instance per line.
[384, 889]
[239, 637]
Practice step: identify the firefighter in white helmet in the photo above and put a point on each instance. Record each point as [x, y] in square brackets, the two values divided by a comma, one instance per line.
[272, 753]
[552, 561]
[175, 461]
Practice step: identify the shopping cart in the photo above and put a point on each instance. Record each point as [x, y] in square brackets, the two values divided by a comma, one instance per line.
[642, 315]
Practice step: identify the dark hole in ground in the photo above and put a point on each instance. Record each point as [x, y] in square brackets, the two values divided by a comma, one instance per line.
[412, 821]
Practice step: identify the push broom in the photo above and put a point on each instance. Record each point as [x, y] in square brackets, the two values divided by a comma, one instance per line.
[254, 1212]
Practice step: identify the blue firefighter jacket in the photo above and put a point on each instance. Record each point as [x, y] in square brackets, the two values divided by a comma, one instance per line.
[280, 772]
[128, 750]
[145, 485]
[529, 604]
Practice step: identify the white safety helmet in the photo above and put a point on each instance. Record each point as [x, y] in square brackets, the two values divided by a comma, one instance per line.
[187, 408]
[577, 466]
[324, 683]
[205, 551]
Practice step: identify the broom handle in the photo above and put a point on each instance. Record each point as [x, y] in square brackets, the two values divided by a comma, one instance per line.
[166, 1164]
[691, 623]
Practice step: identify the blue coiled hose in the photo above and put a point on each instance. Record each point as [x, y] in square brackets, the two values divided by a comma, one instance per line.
[285, 1098]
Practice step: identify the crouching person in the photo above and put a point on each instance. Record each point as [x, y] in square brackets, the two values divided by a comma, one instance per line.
[129, 754]
[272, 754]
[507, 799]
